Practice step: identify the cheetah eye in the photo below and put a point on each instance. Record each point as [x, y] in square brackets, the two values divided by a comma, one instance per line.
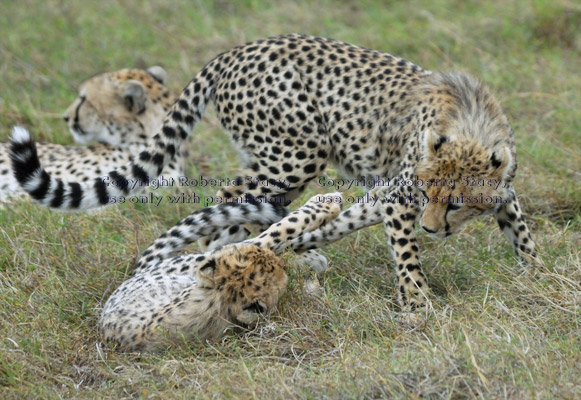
[256, 308]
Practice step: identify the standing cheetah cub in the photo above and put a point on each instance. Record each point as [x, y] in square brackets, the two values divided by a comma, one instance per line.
[203, 294]
[295, 103]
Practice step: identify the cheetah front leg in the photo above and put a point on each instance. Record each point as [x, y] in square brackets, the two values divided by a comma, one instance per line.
[399, 215]
[512, 224]
[319, 210]
[399, 219]
[358, 216]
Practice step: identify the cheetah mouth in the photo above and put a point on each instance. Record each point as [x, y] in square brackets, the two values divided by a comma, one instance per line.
[79, 134]
[255, 307]
[78, 129]
[439, 234]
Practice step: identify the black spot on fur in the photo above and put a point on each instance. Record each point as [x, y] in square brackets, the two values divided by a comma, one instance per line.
[101, 190]
[58, 197]
[440, 142]
[139, 173]
[494, 161]
[209, 264]
[169, 132]
[76, 194]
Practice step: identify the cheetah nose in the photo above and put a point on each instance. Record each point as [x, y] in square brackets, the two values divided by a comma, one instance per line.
[66, 118]
[429, 230]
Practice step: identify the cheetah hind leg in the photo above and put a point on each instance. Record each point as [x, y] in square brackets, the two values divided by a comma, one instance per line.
[238, 233]
[319, 210]
[301, 152]
[313, 259]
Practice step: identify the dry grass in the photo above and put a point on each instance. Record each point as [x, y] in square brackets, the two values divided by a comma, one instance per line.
[497, 330]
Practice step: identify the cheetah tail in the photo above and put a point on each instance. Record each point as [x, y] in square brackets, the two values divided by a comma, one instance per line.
[101, 191]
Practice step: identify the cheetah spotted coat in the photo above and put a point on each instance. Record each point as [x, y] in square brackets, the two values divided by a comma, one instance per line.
[294, 103]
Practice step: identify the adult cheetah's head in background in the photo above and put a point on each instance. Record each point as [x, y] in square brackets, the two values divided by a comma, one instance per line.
[460, 179]
[119, 107]
[249, 281]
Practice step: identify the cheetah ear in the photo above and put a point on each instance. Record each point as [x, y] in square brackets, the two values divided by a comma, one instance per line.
[432, 142]
[134, 96]
[206, 273]
[158, 73]
[502, 163]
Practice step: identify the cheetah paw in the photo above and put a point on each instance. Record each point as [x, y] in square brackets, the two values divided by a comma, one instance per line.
[314, 288]
[247, 318]
[411, 320]
[316, 261]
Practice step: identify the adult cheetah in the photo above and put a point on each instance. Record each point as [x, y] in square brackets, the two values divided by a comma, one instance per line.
[116, 113]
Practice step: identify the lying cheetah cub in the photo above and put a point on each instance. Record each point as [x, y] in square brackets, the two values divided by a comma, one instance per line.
[203, 294]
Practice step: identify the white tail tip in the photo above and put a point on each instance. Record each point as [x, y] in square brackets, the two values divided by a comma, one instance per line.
[20, 135]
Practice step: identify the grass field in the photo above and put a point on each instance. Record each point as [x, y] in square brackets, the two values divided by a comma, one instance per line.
[497, 330]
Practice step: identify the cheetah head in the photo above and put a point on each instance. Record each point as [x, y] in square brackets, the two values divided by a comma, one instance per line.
[119, 107]
[248, 279]
[460, 179]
